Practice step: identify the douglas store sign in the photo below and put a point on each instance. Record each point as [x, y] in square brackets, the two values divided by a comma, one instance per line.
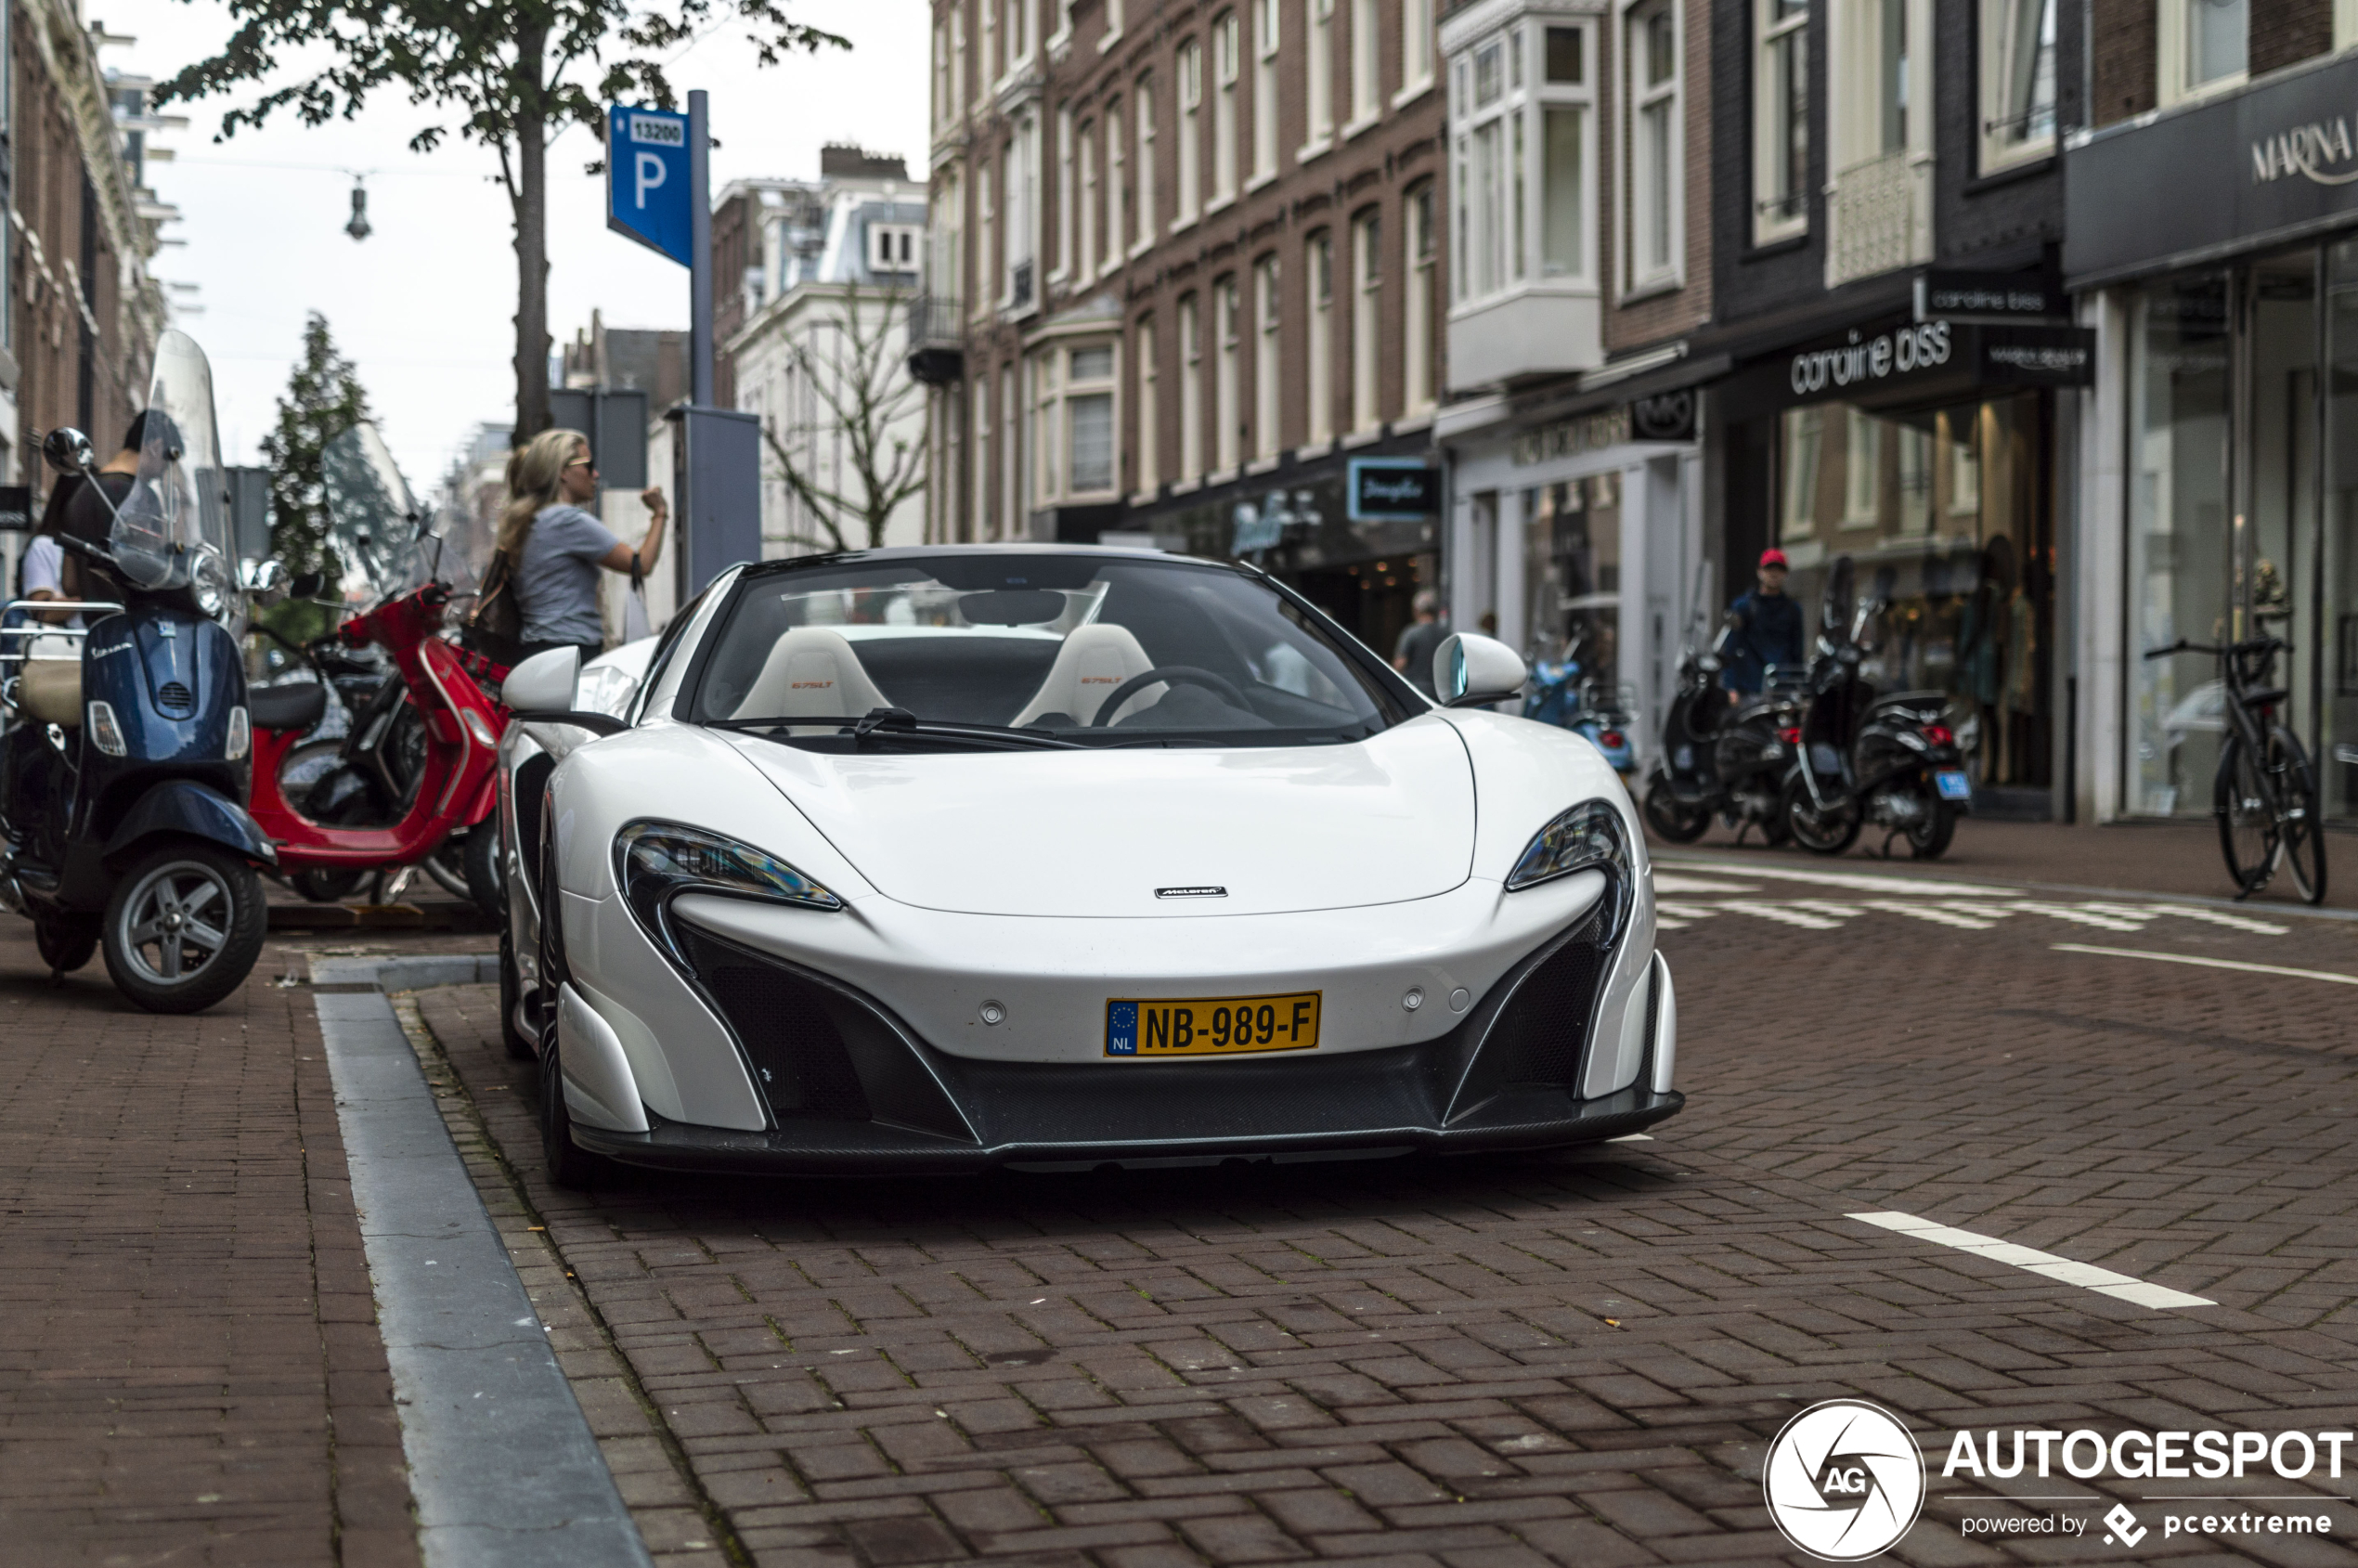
[2277, 163]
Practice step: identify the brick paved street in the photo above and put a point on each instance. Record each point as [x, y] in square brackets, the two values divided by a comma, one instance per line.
[1576, 1359]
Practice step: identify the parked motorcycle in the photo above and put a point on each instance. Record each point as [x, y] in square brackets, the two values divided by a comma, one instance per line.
[1862, 759]
[415, 776]
[124, 769]
[1722, 759]
[1562, 692]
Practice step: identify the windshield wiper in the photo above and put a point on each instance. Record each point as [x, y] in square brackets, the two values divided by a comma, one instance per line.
[900, 722]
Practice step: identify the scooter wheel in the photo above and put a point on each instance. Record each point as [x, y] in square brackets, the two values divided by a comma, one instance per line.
[1828, 834]
[183, 927]
[65, 942]
[1673, 819]
[322, 886]
[1932, 840]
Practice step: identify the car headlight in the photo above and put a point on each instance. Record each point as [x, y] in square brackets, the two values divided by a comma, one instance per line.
[655, 863]
[605, 690]
[1592, 837]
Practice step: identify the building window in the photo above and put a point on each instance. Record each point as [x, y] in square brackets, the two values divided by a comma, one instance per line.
[1224, 108]
[1190, 388]
[1223, 380]
[1781, 119]
[1010, 456]
[957, 62]
[1087, 208]
[1416, 48]
[1117, 185]
[1190, 132]
[893, 247]
[2017, 81]
[1417, 305]
[1113, 23]
[1087, 419]
[978, 490]
[989, 40]
[1066, 208]
[1522, 164]
[1022, 171]
[1266, 361]
[1655, 173]
[1366, 87]
[1321, 348]
[1142, 104]
[1149, 408]
[1318, 77]
[1266, 23]
[986, 239]
[1367, 278]
[1046, 392]
[940, 75]
[2204, 45]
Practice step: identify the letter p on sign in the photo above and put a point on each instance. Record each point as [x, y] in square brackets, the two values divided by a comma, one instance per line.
[648, 176]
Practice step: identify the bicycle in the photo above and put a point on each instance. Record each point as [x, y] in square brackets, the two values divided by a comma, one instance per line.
[2266, 795]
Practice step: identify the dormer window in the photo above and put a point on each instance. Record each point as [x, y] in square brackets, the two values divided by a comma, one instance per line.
[894, 247]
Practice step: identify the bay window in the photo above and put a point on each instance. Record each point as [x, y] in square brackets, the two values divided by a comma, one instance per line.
[1656, 185]
[1522, 161]
[1075, 413]
[1781, 119]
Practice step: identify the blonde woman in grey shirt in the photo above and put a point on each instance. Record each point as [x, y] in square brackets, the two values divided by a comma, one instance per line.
[555, 546]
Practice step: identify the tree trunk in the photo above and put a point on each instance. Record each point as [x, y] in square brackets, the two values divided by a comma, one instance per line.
[532, 238]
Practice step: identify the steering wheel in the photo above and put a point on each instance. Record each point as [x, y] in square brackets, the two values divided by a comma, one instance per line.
[1176, 675]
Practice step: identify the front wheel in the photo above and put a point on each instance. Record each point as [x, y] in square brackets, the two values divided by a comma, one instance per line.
[183, 927]
[1931, 834]
[2302, 813]
[2243, 800]
[1829, 831]
[1677, 820]
[65, 942]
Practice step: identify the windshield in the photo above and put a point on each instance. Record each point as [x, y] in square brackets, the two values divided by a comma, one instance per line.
[388, 543]
[1094, 649]
[173, 529]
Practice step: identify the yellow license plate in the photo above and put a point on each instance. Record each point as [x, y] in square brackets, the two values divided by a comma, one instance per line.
[1212, 1026]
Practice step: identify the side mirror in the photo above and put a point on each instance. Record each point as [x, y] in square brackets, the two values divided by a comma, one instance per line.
[309, 585]
[1470, 670]
[261, 578]
[544, 683]
[69, 451]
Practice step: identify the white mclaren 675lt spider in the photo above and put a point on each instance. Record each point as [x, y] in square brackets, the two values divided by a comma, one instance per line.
[938, 860]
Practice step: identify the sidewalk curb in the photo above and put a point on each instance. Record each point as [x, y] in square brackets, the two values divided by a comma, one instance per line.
[502, 1464]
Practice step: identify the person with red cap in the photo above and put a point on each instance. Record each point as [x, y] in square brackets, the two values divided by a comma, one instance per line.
[1767, 631]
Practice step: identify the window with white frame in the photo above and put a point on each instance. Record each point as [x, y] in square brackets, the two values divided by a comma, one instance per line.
[1225, 65]
[990, 62]
[1149, 440]
[978, 489]
[1417, 302]
[1654, 226]
[958, 61]
[1366, 280]
[1267, 362]
[1188, 164]
[1781, 120]
[1017, 34]
[1320, 348]
[2017, 81]
[1190, 388]
[940, 75]
[945, 268]
[1047, 446]
[1142, 106]
[1087, 208]
[1021, 214]
[986, 238]
[893, 248]
[1010, 458]
[1117, 193]
[1224, 374]
[1367, 100]
[1113, 23]
[1266, 15]
[1319, 74]
[1863, 470]
[1066, 208]
[1088, 421]
[1416, 48]
[1523, 159]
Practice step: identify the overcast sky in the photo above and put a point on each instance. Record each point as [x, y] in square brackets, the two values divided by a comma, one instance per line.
[426, 304]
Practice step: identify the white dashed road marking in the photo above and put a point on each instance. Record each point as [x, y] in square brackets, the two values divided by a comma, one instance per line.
[1784, 914]
[2209, 963]
[2103, 1281]
[1933, 912]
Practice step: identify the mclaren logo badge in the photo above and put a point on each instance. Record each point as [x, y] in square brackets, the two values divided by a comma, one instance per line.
[1191, 892]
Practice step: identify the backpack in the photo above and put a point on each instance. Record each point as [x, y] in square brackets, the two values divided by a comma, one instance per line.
[495, 627]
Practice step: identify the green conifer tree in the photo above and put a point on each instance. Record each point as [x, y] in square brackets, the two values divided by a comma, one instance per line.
[323, 400]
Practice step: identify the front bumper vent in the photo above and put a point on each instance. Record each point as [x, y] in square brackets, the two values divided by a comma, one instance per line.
[1539, 1037]
[786, 1027]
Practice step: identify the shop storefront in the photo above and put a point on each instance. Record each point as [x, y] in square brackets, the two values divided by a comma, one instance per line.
[1923, 450]
[2232, 377]
[1576, 535]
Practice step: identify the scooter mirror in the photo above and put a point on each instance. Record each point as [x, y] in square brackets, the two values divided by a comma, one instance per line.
[544, 683]
[307, 585]
[1470, 670]
[69, 451]
[264, 577]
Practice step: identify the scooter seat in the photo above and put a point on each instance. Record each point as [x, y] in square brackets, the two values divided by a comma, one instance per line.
[50, 691]
[296, 705]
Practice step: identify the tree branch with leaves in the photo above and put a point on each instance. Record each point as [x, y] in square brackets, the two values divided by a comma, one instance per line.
[506, 74]
[868, 395]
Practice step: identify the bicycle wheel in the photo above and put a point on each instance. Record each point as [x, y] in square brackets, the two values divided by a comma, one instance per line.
[2302, 815]
[2242, 800]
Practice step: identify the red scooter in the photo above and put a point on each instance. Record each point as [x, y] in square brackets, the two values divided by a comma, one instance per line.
[448, 698]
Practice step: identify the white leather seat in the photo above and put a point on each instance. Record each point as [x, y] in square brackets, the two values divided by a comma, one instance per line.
[1094, 661]
[811, 673]
[50, 691]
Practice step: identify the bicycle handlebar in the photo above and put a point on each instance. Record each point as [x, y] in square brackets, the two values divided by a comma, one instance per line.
[2249, 646]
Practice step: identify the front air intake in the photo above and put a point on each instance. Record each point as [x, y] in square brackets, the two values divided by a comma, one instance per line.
[1539, 1037]
[786, 1026]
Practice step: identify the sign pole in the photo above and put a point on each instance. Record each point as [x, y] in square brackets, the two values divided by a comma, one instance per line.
[699, 249]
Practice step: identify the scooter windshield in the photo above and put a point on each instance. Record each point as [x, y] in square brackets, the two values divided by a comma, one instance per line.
[174, 529]
[381, 531]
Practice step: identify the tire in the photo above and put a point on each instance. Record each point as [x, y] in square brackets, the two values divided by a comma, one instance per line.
[2250, 838]
[1820, 835]
[2304, 836]
[1672, 819]
[1940, 829]
[568, 1165]
[447, 866]
[65, 942]
[322, 886]
[520, 1045]
[148, 950]
[480, 856]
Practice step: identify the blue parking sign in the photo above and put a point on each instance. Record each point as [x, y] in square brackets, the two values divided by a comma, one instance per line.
[648, 191]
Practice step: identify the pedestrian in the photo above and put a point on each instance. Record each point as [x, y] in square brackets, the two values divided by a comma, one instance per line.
[554, 547]
[1767, 631]
[1412, 655]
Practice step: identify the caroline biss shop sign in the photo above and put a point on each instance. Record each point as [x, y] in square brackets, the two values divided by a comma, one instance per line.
[1902, 362]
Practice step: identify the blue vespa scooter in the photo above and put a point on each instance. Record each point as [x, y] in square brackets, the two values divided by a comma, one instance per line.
[127, 761]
